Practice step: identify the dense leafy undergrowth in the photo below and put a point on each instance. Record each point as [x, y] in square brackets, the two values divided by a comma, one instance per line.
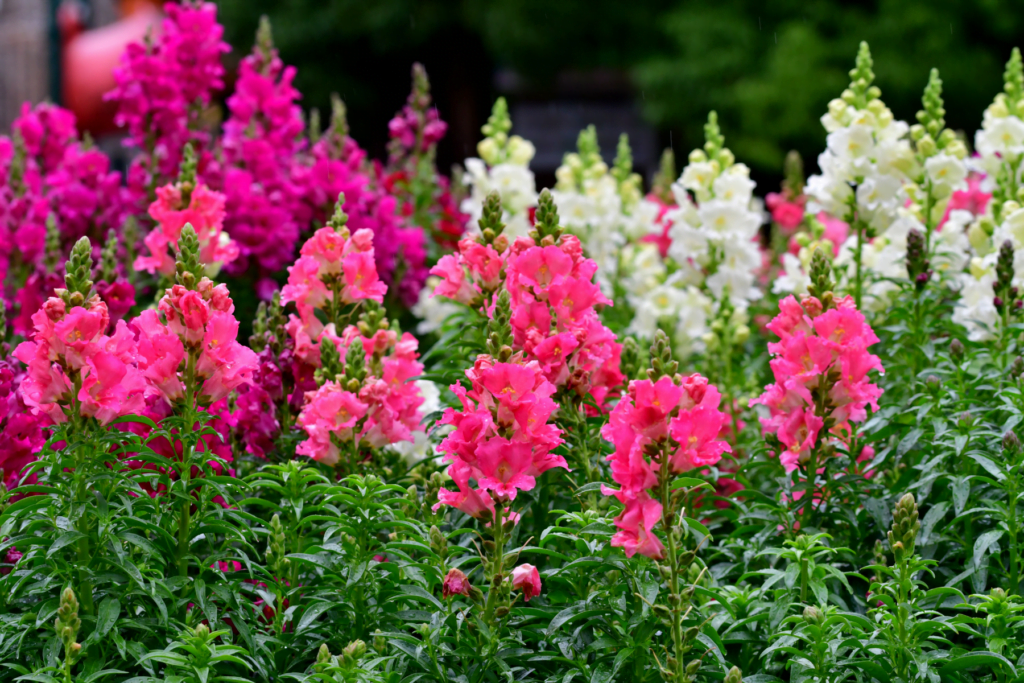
[634, 438]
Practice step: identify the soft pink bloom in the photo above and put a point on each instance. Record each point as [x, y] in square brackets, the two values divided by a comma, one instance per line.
[330, 414]
[526, 578]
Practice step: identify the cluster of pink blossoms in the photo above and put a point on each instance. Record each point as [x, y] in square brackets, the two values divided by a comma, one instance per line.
[336, 165]
[180, 203]
[382, 408]
[163, 87]
[335, 267]
[72, 362]
[554, 298]
[21, 432]
[379, 404]
[262, 138]
[199, 324]
[678, 416]
[821, 354]
[502, 436]
[46, 170]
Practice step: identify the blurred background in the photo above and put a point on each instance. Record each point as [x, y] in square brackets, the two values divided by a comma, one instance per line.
[651, 68]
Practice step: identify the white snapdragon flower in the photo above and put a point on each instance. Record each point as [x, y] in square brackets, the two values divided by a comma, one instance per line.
[432, 310]
[793, 279]
[946, 173]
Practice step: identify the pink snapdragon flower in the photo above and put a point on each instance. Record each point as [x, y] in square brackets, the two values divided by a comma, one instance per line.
[554, 303]
[502, 436]
[335, 266]
[817, 348]
[70, 350]
[180, 204]
[261, 143]
[679, 415]
[163, 86]
[194, 324]
[526, 578]
[455, 583]
[787, 211]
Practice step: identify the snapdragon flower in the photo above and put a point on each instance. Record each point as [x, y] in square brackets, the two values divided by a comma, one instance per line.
[821, 367]
[863, 173]
[503, 167]
[187, 202]
[163, 86]
[667, 424]
[261, 143]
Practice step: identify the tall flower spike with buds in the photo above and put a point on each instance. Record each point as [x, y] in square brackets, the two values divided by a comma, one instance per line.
[714, 246]
[366, 398]
[188, 347]
[861, 183]
[67, 626]
[821, 367]
[664, 425]
[76, 370]
[906, 524]
[1000, 144]
[503, 167]
[604, 207]
[187, 202]
[261, 143]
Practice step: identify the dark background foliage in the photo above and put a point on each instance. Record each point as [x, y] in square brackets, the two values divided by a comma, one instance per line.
[769, 69]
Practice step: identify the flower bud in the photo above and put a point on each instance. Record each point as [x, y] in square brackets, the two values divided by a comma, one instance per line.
[1011, 444]
[734, 675]
[813, 615]
[956, 350]
[966, 420]
[933, 383]
[1017, 367]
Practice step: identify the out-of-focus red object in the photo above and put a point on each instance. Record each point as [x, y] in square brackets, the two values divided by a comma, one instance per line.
[89, 58]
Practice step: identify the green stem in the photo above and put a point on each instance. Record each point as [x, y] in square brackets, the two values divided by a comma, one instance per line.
[497, 563]
[1011, 527]
[667, 521]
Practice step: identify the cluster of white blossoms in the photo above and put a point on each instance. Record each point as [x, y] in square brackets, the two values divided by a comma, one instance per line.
[715, 239]
[1000, 145]
[606, 209]
[503, 166]
[864, 168]
[713, 255]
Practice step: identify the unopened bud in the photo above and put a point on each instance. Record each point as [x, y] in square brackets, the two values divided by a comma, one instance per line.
[813, 615]
[1011, 444]
[956, 350]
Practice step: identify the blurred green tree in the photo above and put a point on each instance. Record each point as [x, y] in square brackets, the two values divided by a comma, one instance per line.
[769, 68]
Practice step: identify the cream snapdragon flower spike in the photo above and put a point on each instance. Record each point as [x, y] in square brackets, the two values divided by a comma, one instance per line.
[1000, 145]
[863, 170]
[503, 166]
[606, 209]
[714, 250]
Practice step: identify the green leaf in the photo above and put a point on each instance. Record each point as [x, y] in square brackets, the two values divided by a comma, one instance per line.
[976, 659]
[419, 594]
[311, 614]
[568, 614]
[689, 483]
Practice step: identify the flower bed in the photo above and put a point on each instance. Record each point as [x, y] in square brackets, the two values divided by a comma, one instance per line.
[482, 432]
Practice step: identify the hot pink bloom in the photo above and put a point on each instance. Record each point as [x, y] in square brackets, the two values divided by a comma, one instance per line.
[697, 432]
[504, 466]
[636, 528]
[455, 583]
[526, 578]
[817, 346]
[454, 284]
